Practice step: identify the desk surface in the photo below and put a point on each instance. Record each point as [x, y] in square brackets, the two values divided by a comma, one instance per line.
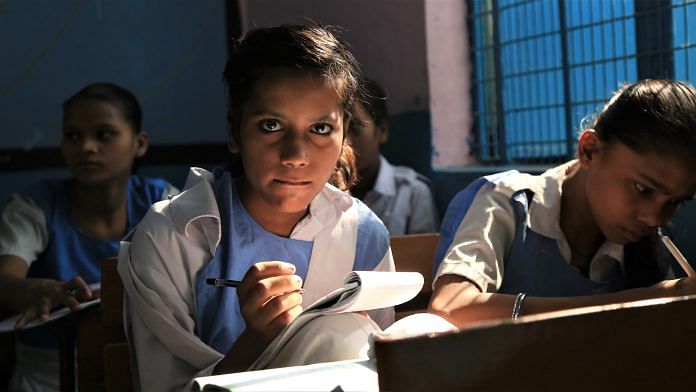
[639, 345]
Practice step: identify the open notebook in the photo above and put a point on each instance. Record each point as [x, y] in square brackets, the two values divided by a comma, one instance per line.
[361, 291]
[8, 324]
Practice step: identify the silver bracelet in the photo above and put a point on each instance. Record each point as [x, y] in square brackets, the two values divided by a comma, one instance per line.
[517, 305]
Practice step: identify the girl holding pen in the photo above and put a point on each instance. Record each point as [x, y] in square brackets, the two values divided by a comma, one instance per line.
[583, 233]
[278, 219]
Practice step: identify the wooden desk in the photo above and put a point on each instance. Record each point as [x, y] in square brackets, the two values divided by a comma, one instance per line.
[644, 345]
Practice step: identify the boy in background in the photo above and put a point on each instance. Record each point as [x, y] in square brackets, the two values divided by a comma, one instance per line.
[400, 196]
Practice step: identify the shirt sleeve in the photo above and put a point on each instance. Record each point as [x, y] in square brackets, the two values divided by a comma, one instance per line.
[23, 231]
[424, 217]
[156, 269]
[480, 243]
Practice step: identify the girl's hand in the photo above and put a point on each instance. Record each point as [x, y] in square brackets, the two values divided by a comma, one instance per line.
[269, 298]
[47, 294]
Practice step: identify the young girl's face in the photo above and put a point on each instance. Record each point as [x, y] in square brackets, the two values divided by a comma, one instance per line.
[98, 144]
[289, 139]
[631, 194]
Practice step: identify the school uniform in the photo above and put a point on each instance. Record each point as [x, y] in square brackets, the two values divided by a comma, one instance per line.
[36, 227]
[178, 327]
[403, 199]
[503, 233]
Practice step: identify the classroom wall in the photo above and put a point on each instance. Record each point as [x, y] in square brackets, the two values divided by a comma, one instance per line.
[171, 54]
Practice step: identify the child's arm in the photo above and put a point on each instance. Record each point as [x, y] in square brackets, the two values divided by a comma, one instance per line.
[23, 236]
[461, 302]
[35, 298]
[269, 299]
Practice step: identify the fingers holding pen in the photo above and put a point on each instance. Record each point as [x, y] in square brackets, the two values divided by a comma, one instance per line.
[270, 297]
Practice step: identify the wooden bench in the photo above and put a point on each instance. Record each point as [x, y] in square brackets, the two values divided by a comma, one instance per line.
[100, 359]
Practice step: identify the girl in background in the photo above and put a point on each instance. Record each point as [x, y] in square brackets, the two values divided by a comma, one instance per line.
[55, 234]
[583, 233]
[278, 219]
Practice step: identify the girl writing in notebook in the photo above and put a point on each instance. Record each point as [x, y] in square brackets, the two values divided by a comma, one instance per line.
[583, 233]
[278, 219]
[55, 234]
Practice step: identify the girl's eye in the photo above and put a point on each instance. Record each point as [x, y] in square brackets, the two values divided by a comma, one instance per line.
[106, 135]
[641, 188]
[322, 129]
[270, 125]
[71, 136]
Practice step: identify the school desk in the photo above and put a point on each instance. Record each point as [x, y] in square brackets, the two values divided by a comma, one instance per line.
[643, 345]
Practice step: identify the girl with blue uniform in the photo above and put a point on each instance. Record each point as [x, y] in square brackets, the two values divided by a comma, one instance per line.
[55, 234]
[278, 219]
[582, 233]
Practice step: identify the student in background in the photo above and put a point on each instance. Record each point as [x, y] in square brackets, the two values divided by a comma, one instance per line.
[401, 197]
[583, 233]
[278, 219]
[55, 234]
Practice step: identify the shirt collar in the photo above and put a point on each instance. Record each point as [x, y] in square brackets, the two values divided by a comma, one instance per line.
[326, 208]
[545, 206]
[197, 201]
[385, 183]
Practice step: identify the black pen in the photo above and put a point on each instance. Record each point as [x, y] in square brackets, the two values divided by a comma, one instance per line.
[222, 282]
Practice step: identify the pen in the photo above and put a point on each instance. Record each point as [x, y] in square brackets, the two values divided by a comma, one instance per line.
[677, 254]
[222, 282]
[235, 283]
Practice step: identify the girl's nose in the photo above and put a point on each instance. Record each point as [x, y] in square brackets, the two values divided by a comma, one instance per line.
[293, 151]
[652, 215]
[89, 145]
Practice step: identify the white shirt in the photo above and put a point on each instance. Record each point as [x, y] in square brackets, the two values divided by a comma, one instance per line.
[487, 230]
[402, 198]
[179, 237]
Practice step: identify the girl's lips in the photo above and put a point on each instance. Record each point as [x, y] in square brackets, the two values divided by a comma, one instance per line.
[292, 182]
[88, 165]
[635, 235]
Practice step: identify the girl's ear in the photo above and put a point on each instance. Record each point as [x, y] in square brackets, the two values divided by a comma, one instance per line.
[233, 144]
[141, 144]
[588, 145]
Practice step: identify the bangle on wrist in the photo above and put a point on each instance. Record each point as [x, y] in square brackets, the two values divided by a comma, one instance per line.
[517, 305]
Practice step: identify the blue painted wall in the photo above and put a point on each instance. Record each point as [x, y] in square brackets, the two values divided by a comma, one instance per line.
[170, 54]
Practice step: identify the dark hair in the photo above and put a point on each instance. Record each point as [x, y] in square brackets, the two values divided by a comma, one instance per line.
[313, 49]
[650, 116]
[113, 94]
[375, 101]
